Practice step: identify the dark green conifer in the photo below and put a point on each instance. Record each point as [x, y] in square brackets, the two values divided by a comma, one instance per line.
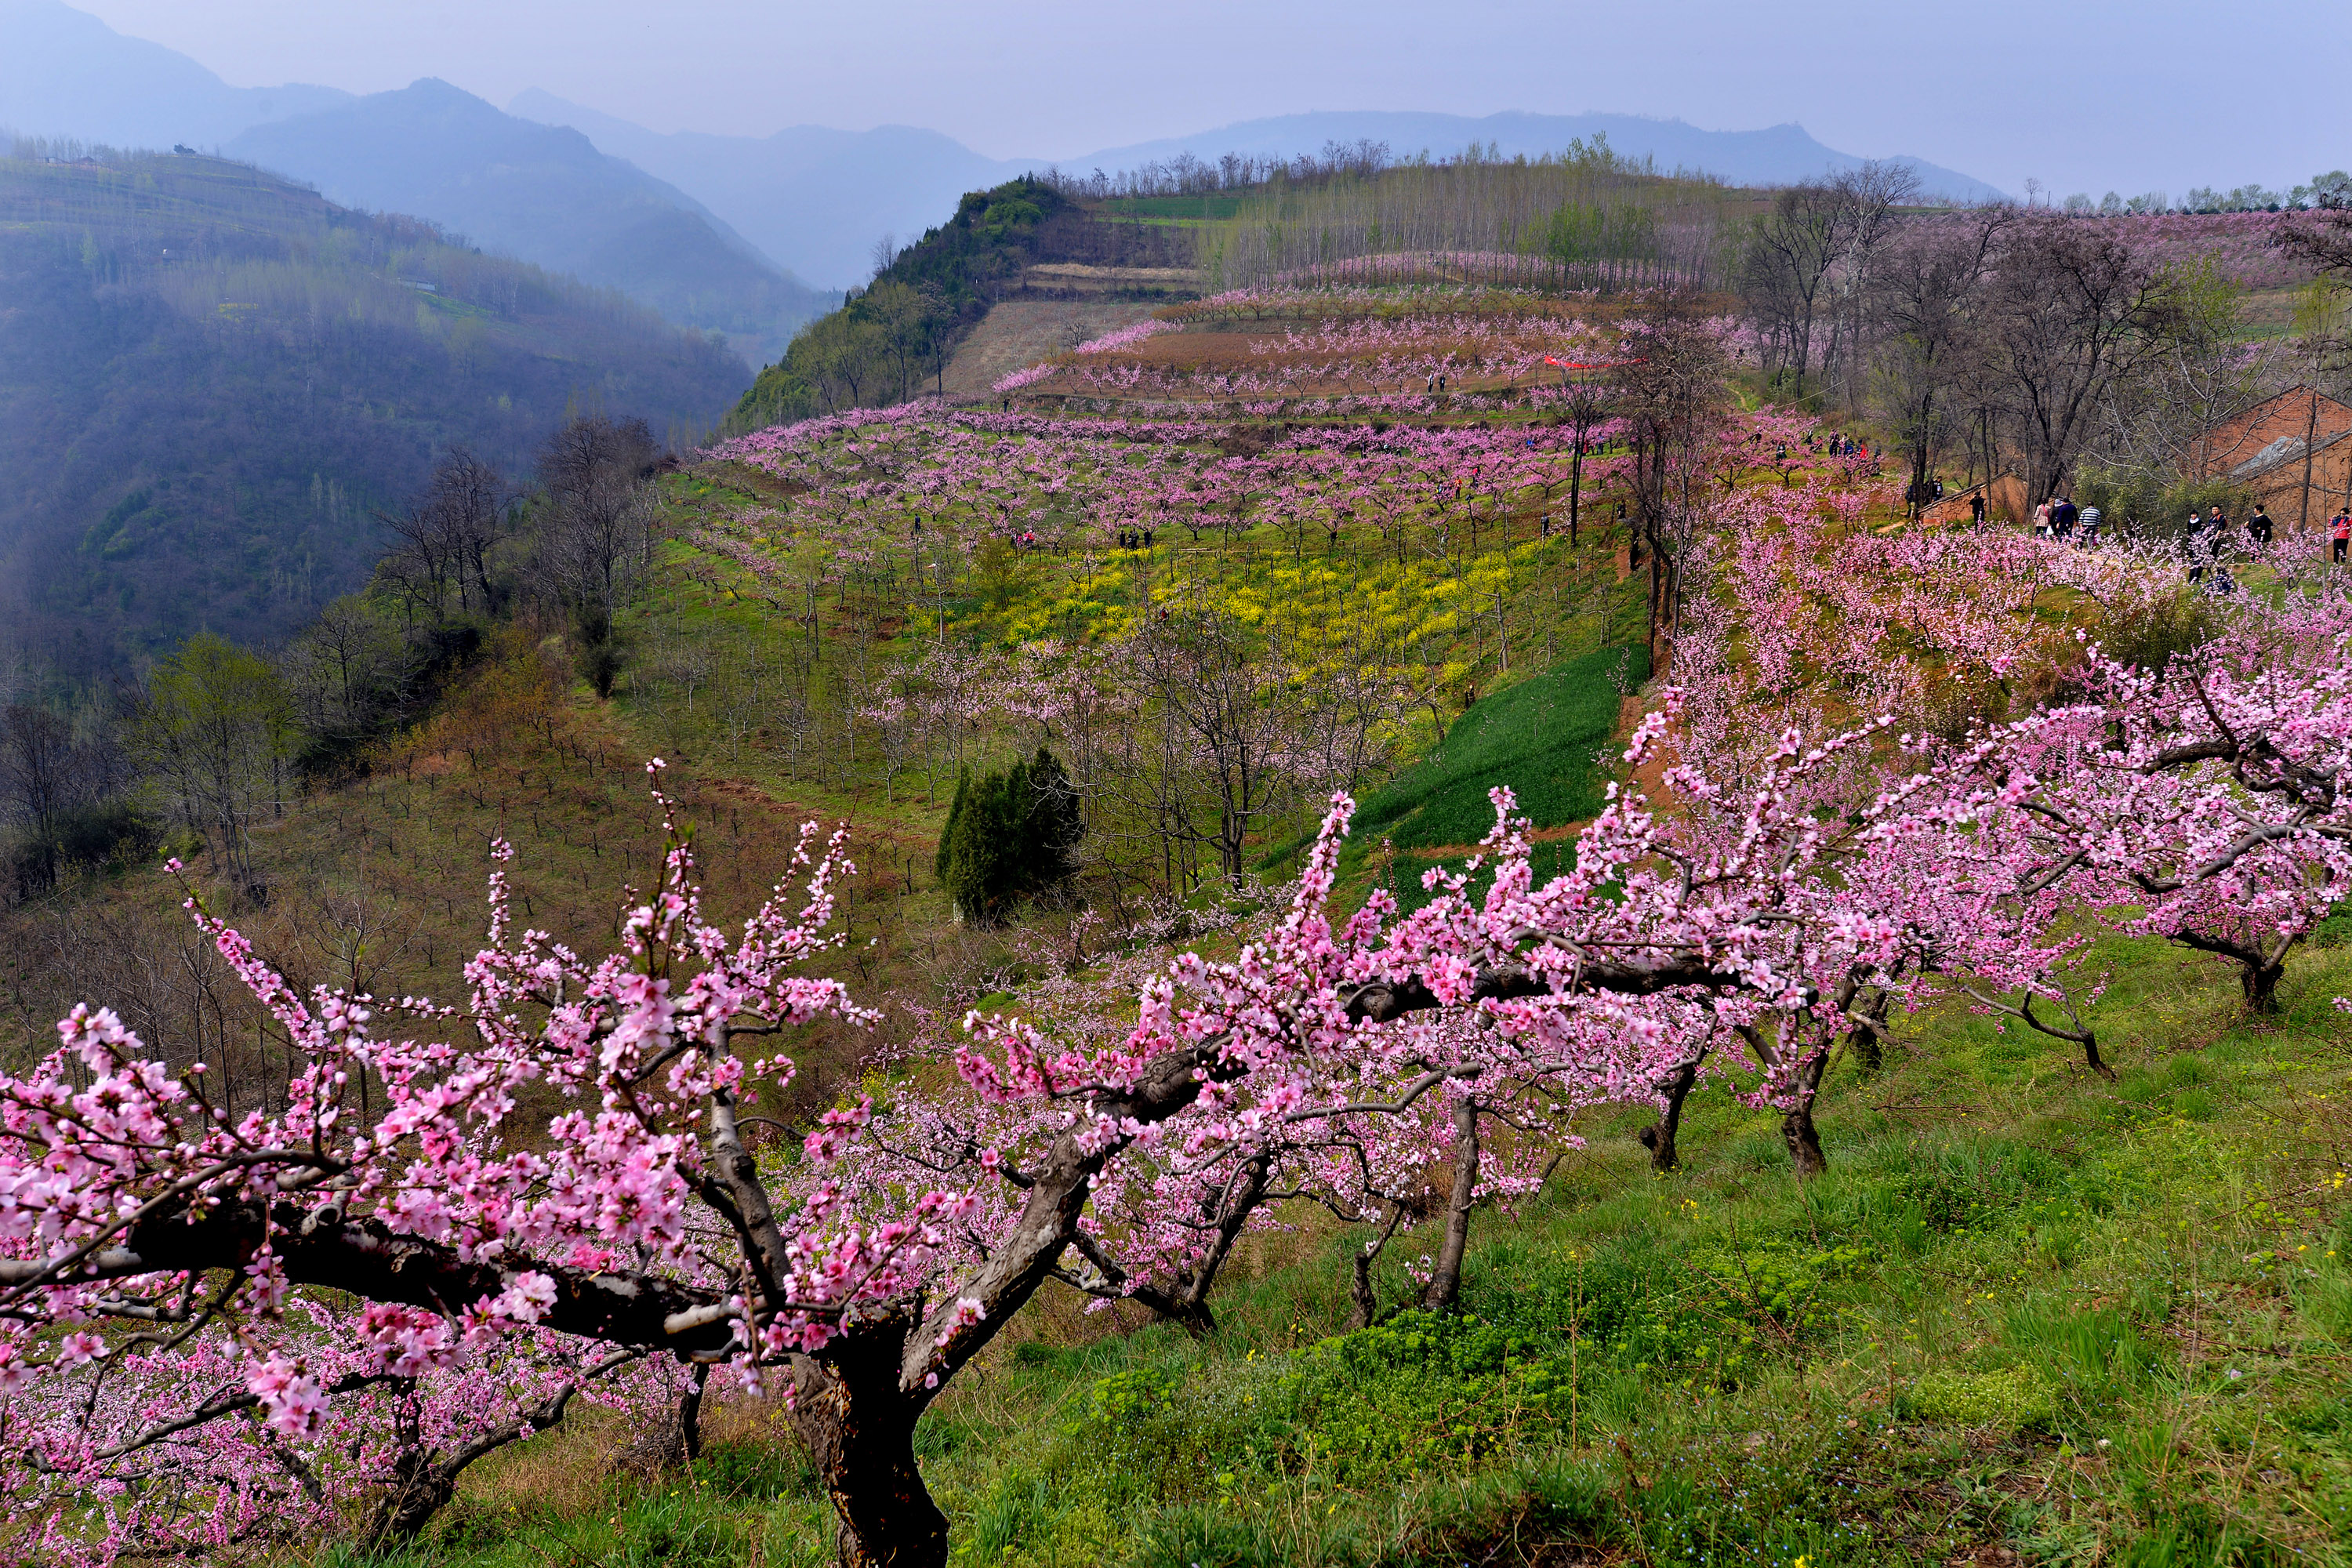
[1009, 835]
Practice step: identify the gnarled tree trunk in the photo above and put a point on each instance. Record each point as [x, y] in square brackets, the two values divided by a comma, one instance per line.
[1658, 1138]
[1797, 1128]
[860, 1427]
[2259, 970]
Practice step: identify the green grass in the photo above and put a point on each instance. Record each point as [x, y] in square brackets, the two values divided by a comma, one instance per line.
[1548, 738]
[1542, 737]
[2029, 1316]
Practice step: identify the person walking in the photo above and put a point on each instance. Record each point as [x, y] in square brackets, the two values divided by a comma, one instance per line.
[2343, 531]
[2062, 516]
[1976, 508]
[2090, 526]
[2258, 527]
[2041, 521]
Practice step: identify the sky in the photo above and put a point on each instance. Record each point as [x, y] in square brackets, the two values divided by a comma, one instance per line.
[2087, 95]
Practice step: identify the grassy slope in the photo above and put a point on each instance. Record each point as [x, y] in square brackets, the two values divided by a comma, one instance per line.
[1547, 737]
[2005, 1324]
[2028, 1313]
[1541, 737]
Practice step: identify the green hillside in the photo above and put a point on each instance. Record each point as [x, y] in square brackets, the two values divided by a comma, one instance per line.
[888, 338]
[543, 194]
[210, 379]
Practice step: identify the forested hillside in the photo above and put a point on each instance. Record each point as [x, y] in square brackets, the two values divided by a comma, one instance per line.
[211, 379]
[890, 337]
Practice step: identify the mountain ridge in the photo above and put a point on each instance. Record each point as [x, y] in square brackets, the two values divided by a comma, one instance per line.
[770, 186]
[65, 72]
[430, 150]
[544, 194]
[892, 179]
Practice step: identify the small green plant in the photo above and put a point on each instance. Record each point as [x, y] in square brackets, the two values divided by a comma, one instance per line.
[2016, 1396]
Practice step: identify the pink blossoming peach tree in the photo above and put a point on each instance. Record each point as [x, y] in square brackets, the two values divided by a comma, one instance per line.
[208, 1325]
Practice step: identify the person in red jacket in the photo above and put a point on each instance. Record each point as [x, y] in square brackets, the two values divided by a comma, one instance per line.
[2343, 531]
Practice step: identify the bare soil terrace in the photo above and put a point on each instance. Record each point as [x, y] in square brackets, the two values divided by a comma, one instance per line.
[1020, 332]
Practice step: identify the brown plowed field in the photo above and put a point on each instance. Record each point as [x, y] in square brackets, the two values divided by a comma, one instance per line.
[1019, 333]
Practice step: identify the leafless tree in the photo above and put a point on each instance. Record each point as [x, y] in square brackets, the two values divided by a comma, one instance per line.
[1785, 258]
[1230, 721]
[595, 534]
[446, 536]
[1671, 392]
[1927, 295]
[1871, 196]
[468, 500]
[2072, 311]
[39, 779]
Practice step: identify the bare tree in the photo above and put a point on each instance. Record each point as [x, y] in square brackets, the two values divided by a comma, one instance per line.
[596, 532]
[2072, 311]
[468, 502]
[1785, 258]
[1871, 196]
[1232, 722]
[447, 534]
[1926, 294]
[1671, 392]
[39, 779]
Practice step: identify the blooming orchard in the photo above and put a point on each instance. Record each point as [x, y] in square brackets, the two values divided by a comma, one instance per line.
[146, 1234]
[1885, 766]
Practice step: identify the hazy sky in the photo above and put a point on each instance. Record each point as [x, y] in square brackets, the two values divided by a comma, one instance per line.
[2081, 94]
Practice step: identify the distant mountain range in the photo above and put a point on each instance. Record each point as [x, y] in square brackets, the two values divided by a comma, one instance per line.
[715, 231]
[63, 73]
[813, 198]
[540, 194]
[543, 194]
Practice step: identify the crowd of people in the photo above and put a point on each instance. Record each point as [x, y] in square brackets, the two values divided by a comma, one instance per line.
[2205, 539]
[2059, 518]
